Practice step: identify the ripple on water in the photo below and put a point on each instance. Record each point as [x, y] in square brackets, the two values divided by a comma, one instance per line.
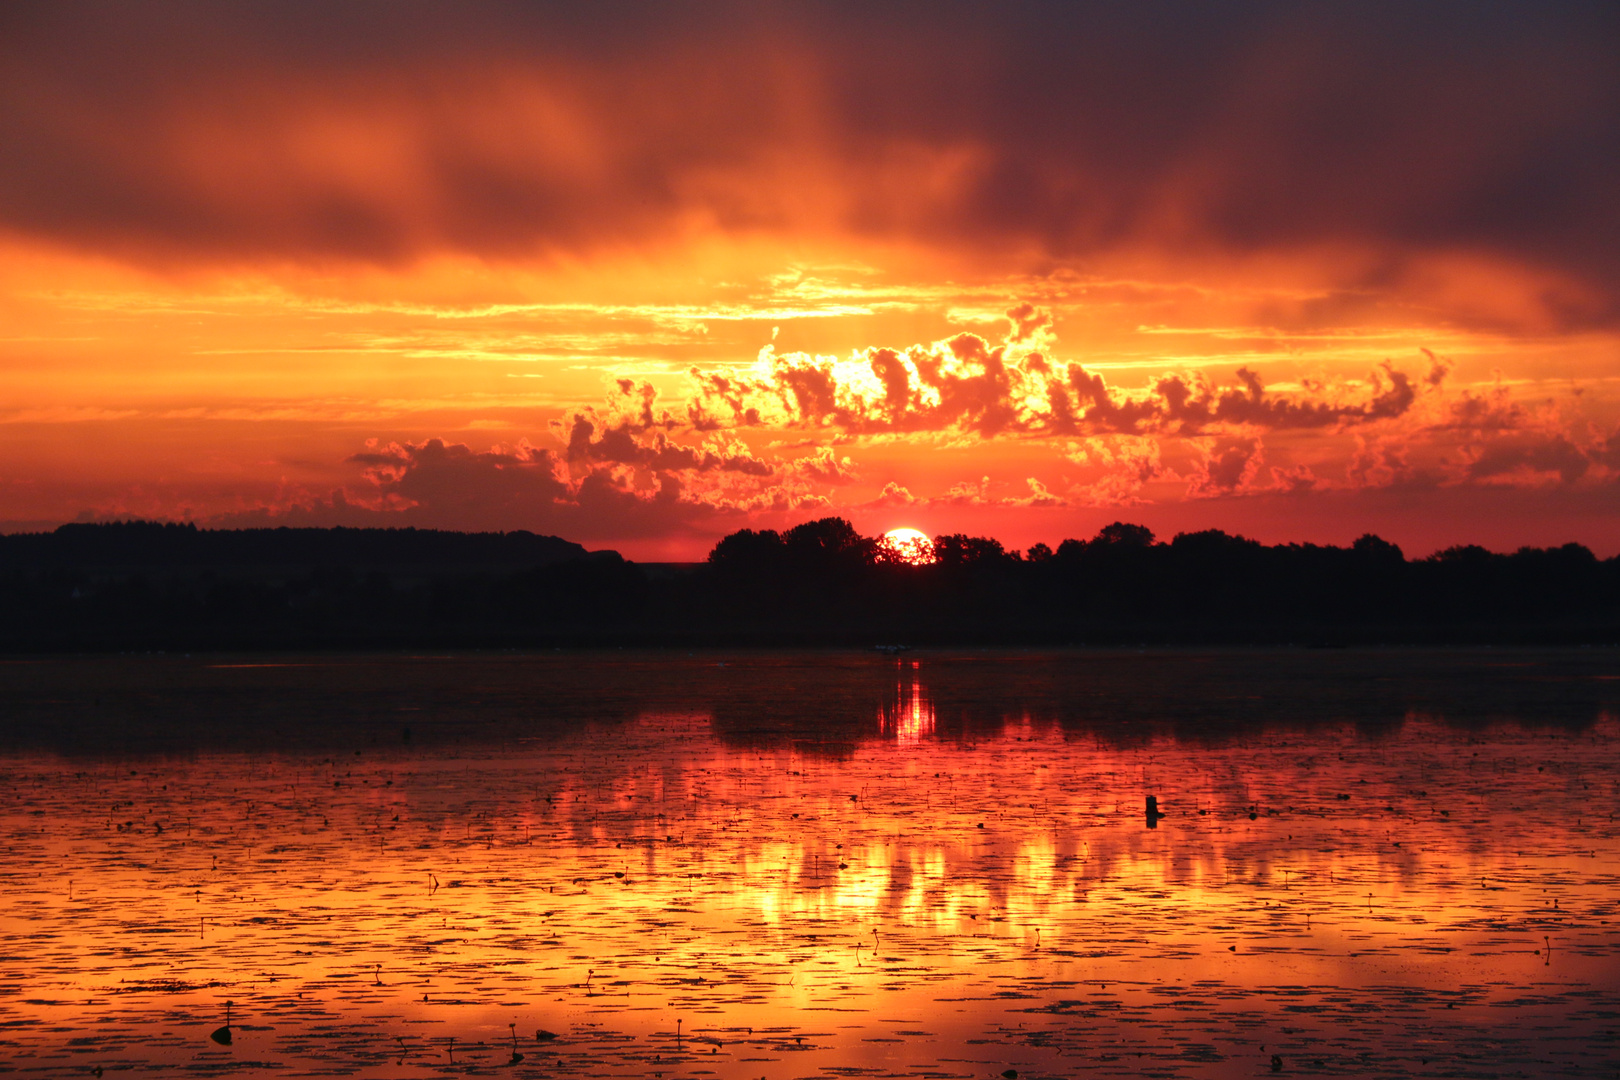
[672, 892]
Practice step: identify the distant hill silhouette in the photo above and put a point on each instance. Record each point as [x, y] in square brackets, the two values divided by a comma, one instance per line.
[152, 545]
[149, 586]
[144, 585]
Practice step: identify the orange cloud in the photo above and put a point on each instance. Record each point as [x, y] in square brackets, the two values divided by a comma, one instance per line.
[965, 384]
[237, 242]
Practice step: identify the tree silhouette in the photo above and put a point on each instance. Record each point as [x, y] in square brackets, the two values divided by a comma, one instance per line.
[141, 585]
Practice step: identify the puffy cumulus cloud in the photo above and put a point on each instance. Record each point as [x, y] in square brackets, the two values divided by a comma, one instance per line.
[1605, 451]
[1118, 467]
[455, 479]
[1030, 324]
[1184, 435]
[290, 509]
[656, 450]
[1039, 496]
[1439, 367]
[1195, 408]
[1484, 413]
[438, 484]
[640, 463]
[1528, 457]
[894, 494]
[320, 132]
[1228, 466]
[452, 485]
[629, 468]
[965, 384]
[1190, 405]
[1502, 441]
[631, 430]
[1383, 462]
[827, 467]
[970, 493]
[1393, 428]
[1294, 479]
[967, 493]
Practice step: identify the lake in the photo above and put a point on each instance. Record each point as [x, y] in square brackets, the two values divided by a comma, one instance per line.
[813, 864]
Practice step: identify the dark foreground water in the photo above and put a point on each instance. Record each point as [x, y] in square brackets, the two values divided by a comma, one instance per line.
[1370, 864]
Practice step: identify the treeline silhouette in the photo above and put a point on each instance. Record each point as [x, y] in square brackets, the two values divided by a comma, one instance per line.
[1122, 585]
[149, 586]
[143, 585]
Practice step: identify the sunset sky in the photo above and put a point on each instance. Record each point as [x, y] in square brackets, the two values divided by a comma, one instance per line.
[640, 276]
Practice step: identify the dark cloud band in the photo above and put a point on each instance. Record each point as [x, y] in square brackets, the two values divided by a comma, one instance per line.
[385, 132]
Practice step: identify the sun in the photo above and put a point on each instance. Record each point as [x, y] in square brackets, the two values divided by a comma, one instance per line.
[907, 546]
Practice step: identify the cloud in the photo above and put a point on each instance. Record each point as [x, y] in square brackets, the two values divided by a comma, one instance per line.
[454, 479]
[791, 434]
[632, 430]
[1039, 496]
[637, 463]
[1192, 408]
[967, 493]
[1294, 479]
[632, 480]
[179, 131]
[1501, 441]
[827, 467]
[1029, 324]
[1606, 451]
[436, 484]
[1494, 411]
[1229, 466]
[894, 495]
[966, 384]
[1117, 467]
[1384, 462]
[1527, 457]
[655, 450]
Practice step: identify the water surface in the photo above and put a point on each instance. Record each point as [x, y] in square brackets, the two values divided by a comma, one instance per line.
[812, 864]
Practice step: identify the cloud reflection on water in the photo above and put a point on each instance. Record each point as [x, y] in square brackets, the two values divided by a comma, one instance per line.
[1368, 891]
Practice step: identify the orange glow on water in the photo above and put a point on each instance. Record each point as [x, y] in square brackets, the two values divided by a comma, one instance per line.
[908, 717]
[607, 880]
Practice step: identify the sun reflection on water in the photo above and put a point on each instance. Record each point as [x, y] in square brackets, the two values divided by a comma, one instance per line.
[1309, 891]
[907, 716]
